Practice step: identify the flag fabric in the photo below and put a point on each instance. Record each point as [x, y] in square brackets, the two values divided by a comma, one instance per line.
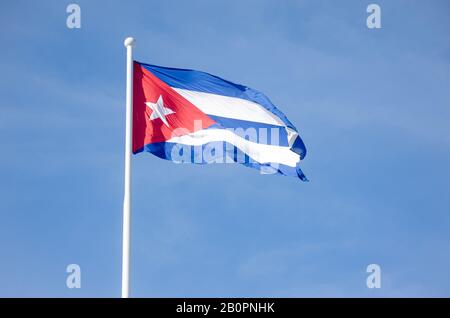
[189, 116]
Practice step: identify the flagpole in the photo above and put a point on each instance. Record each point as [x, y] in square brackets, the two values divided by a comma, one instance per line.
[129, 44]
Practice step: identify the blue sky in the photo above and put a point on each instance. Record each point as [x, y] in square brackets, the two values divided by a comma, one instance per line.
[372, 106]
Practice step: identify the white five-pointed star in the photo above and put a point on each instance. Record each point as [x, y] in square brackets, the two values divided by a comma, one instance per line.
[159, 111]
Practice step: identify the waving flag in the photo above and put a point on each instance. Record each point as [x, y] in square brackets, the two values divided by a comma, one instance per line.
[191, 116]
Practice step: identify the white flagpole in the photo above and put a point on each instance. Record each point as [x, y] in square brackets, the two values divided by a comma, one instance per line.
[129, 44]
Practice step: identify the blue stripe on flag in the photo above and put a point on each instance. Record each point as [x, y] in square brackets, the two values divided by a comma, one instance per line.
[264, 133]
[165, 150]
[298, 146]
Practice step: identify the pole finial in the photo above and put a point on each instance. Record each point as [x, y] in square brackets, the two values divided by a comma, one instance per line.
[129, 41]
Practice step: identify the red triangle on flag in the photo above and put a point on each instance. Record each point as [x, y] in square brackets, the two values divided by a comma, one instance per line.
[159, 112]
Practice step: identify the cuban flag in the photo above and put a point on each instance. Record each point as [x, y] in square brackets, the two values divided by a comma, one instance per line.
[189, 116]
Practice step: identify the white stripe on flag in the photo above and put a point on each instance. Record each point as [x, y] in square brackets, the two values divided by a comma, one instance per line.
[259, 152]
[230, 107]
